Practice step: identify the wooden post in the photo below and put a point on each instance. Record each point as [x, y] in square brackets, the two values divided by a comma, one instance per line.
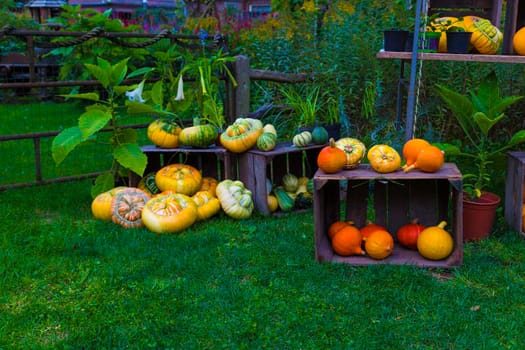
[238, 100]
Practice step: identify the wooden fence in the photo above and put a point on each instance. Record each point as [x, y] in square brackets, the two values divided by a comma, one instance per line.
[31, 71]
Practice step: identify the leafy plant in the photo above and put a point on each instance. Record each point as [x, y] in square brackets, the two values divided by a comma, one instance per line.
[304, 107]
[477, 112]
[104, 115]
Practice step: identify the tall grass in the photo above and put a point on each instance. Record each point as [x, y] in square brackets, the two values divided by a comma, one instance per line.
[71, 282]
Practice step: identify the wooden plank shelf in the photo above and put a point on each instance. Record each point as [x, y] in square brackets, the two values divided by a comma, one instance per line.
[395, 199]
[432, 56]
[514, 190]
[255, 166]
[214, 161]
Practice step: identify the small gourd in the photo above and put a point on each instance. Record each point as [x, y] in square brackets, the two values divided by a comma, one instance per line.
[331, 159]
[302, 139]
[266, 141]
[435, 243]
[347, 241]
[290, 182]
[430, 159]
[286, 203]
[127, 205]
[379, 245]
[411, 149]
[384, 158]
[319, 135]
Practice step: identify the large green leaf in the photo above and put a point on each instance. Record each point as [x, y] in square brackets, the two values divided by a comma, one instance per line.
[126, 135]
[92, 121]
[101, 74]
[130, 156]
[484, 122]
[156, 93]
[135, 107]
[91, 96]
[65, 142]
[140, 72]
[103, 182]
[118, 72]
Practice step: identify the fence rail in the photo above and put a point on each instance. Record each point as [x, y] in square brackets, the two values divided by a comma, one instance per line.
[237, 100]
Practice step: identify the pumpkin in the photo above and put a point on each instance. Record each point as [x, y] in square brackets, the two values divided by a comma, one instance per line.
[209, 184]
[518, 42]
[290, 182]
[164, 133]
[286, 203]
[407, 234]
[435, 243]
[347, 241]
[127, 205]
[336, 226]
[270, 128]
[383, 158]
[198, 136]
[411, 149]
[147, 184]
[302, 184]
[169, 213]
[302, 139]
[101, 204]
[379, 245]
[236, 200]
[354, 151]
[180, 178]
[486, 37]
[331, 158]
[241, 135]
[303, 200]
[430, 159]
[370, 228]
[272, 202]
[266, 141]
[319, 135]
[207, 205]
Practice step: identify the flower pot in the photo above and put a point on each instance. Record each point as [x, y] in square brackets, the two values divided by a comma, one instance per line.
[428, 41]
[334, 130]
[395, 40]
[458, 42]
[479, 215]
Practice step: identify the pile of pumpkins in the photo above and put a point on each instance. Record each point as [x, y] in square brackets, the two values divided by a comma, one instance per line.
[172, 199]
[294, 193]
[486, 38]
[376, 242]
[347, 153]
[240, 136]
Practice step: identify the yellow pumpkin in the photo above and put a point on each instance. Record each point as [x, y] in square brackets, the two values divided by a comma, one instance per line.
[101, 205]
[435, 243]
[273, 203]
[241, 135]
[486, 37]
[354, 151]
[169, 213]
[180, 178]
[164, 133]
[207, 205]
[384, 159]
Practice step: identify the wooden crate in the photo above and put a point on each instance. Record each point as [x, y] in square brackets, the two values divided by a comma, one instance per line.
[214, 161]
[514, 189]
[256, 166]
[391, 200]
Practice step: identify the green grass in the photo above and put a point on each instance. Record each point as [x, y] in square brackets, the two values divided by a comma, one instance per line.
[71, 282]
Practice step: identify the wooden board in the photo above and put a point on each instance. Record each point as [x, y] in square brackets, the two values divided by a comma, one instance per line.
[397, 198]
[452, 57]
[514, 189]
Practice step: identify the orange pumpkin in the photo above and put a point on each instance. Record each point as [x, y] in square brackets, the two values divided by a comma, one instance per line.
[370, 228]
[347, 242]
[331, 159]
[336, 226]
[407, 234]
[209, 184]
[164, 133]
[379, 245]
[383, 158]
[181, 178]
[411, 149]
[430, 159]
[127, 205]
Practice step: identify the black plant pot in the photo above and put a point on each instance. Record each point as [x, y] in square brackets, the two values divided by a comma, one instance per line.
[458, 42]
[395, 40]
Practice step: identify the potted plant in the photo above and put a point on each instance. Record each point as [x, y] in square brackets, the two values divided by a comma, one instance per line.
[477, 112]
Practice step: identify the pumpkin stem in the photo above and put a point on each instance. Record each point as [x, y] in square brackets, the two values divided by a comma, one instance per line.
[442, 224]
[406, 169]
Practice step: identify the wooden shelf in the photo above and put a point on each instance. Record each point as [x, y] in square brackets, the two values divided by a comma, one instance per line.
[452, 57]
[395, 199]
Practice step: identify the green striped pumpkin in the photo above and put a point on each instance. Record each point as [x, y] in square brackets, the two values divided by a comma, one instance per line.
[266, 141]
[302, 139]
[198, 136]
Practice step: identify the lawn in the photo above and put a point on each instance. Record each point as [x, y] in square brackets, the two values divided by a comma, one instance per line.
[71, 282]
